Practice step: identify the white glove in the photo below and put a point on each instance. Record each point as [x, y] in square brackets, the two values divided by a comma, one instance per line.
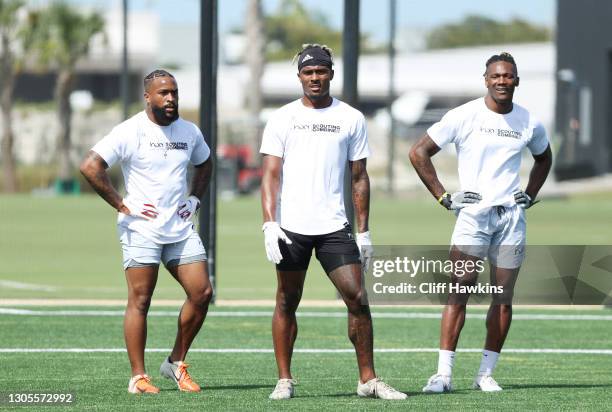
[459, 200]
[272, 234]
[188, 207]
[364, 243]
[145, 211]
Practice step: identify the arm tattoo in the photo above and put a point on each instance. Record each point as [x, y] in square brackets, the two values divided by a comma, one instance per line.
[93, 169]
[361, 193]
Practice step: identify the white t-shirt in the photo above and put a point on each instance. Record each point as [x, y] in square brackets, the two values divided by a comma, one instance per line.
[315, 145]
[154, 162]
[489, 148]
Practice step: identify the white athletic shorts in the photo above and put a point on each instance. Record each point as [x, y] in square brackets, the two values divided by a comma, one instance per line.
[498, 233]
[139, 251]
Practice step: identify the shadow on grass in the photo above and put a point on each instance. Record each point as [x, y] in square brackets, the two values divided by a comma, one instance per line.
[236, 387]
[207, 388]
[354, 395]
[470, 391]
[560, 386]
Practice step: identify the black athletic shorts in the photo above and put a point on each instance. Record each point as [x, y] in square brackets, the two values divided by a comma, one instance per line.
[332, 250]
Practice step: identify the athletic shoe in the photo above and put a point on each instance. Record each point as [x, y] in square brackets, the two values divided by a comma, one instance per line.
[376, 388]
[486, 383]
[177, 371]
[283, 390]
[142, 384]
[438, 384]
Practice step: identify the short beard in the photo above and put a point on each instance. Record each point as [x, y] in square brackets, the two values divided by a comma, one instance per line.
[159, 113]
[317, 97]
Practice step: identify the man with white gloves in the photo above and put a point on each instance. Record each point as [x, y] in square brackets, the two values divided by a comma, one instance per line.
[306, 146]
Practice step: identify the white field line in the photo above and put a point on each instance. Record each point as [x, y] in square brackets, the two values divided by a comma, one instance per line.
[11, 284]
[268, 314]
[315, 351]
[267, 303]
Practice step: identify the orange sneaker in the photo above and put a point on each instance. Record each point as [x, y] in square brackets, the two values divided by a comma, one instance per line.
[142, 384]
[177, 371]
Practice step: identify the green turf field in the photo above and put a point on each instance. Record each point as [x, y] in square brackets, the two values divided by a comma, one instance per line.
[66, 247]
[326, 381]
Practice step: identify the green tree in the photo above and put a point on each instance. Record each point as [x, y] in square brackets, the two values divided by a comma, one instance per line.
[14, 32]
[62, 37]
[478, 30]
[293, 25]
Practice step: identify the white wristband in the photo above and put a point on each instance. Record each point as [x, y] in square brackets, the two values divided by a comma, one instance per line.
[268, 224]
[363, 236]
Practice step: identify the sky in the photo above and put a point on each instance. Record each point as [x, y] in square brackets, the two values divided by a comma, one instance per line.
[374, 13]
[410, 13]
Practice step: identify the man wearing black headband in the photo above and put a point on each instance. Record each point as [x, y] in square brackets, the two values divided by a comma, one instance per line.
[306, 146]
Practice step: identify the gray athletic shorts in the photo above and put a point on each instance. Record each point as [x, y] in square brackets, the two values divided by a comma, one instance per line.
[139, 251]
[498, 233]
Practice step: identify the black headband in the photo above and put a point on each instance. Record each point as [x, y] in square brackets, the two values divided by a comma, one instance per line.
[314, 56]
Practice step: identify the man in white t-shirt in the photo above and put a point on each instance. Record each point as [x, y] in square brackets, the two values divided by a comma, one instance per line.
[489, 134]
[155, 148]
[306, 146]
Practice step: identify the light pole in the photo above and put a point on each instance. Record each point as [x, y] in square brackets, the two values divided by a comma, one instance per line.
[125, 86]
[208, 124]
[391, 98]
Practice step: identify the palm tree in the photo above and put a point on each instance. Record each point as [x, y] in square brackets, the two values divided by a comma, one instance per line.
[256, 61]
[63, 37]
[12, 52]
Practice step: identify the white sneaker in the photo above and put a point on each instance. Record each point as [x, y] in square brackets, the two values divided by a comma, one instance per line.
[486, 383]
[283, 390]
[438, 384]
[177, 372]
[376, 388]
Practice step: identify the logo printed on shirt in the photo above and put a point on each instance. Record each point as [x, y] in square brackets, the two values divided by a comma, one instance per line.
[169, 145]
[509, 133]
[320, 127]
[166, 146]
[327, 128]
[501, 132]
[177, 146]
